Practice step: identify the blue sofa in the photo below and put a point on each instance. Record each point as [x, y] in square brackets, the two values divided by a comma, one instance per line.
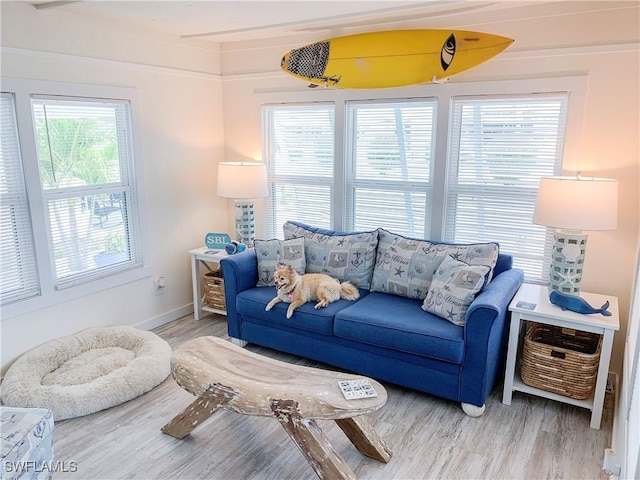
[380, 335]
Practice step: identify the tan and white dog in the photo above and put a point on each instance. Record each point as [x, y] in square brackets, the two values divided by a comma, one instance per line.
[299, 289]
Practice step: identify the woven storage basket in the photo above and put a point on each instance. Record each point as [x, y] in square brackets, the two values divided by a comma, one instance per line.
[560, 360]
[213, 288]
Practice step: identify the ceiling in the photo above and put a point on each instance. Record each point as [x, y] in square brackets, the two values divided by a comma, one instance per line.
[238, 20]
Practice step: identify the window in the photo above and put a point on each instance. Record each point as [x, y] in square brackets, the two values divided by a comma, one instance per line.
[19, 274]
[390, 149]
[499, 149]
[299, 143]
[70, 186]
[84, 158]
[459, 162]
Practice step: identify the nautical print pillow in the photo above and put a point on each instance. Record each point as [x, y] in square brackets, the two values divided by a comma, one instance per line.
[345, 256]
[405, 266]
[272, 252]
[454, 286]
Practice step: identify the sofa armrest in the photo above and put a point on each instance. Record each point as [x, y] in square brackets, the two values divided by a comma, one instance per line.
[497, 295]
[240, 272]
[485, 334]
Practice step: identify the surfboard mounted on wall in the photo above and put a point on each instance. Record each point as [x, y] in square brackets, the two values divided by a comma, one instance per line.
[393, 58]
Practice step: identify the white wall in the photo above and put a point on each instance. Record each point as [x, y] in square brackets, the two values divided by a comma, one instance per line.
[596, 39]
[182, 139]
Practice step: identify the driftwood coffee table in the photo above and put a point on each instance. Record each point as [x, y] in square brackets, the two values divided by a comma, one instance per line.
[223, 375]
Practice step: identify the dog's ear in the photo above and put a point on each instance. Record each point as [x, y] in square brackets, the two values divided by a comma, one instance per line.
[289, 268]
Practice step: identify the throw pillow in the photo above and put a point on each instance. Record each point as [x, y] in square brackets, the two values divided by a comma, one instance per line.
[272, 252]
[454, 287]
[405, 266]
[346, 256]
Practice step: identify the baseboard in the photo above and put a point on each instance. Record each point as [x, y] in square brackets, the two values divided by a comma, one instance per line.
[167, 317]
[613, 456]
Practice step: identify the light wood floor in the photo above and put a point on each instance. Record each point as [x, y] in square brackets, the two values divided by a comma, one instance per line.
[430, 437]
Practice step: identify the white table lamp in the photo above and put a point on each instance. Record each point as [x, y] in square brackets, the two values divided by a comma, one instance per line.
[571, 205]
[243, 181]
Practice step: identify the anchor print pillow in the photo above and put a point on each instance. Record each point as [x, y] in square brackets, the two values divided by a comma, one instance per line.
[343, 256]
[406, 266]
[453, 288]
[272, 252]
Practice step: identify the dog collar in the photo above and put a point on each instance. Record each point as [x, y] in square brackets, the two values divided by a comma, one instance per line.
[290, 293]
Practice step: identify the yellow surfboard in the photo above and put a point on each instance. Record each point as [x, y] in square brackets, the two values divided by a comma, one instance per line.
[391, 58]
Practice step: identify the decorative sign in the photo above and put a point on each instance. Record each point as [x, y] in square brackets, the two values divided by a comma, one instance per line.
[217, 241]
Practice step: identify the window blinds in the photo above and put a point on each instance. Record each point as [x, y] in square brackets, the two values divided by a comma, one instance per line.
[86, 165]
[390, 152]
[299, 152]
[499, 150]
[17, 256]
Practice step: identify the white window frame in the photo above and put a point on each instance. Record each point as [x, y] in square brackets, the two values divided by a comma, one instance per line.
[407, 186]
[444, 94]
[508, 199]
[23, 90]
[309, 178]
[19, 270]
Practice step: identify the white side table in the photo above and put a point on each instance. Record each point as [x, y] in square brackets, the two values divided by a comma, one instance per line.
[547, 313]
[202, 257]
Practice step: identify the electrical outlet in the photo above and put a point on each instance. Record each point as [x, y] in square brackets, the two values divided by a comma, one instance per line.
[158, 285]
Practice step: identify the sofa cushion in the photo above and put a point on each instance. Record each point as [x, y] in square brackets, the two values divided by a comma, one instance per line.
[252, 303]
[400, 324]
[342, 255]
[272, 252]
[405, 266]
[453, 288]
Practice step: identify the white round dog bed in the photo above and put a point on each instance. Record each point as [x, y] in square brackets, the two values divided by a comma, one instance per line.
[89, 371]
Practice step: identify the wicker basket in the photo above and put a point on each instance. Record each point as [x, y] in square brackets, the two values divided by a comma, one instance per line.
[213, 290]
[560, 360]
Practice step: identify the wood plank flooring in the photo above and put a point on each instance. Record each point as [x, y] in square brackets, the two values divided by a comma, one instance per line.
[430, 437]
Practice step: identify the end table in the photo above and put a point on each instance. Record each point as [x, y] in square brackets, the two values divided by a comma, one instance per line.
[531, 304]
[203, 257]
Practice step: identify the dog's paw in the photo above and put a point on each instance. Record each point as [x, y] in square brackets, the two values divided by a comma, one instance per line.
[289, 313]
[268, 307]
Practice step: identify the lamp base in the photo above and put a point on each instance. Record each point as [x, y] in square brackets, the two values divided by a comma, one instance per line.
[567, 260]
[245, 222]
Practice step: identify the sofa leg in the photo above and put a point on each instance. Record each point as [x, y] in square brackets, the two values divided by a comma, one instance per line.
[473, 410]
[238, 342]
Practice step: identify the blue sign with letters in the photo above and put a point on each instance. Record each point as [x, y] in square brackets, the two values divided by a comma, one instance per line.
[217, 241]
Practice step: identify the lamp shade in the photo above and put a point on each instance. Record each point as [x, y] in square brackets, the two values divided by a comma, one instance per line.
[577, 203]
[242, 180]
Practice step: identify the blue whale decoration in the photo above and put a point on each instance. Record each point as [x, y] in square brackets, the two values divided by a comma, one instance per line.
[577, 304]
